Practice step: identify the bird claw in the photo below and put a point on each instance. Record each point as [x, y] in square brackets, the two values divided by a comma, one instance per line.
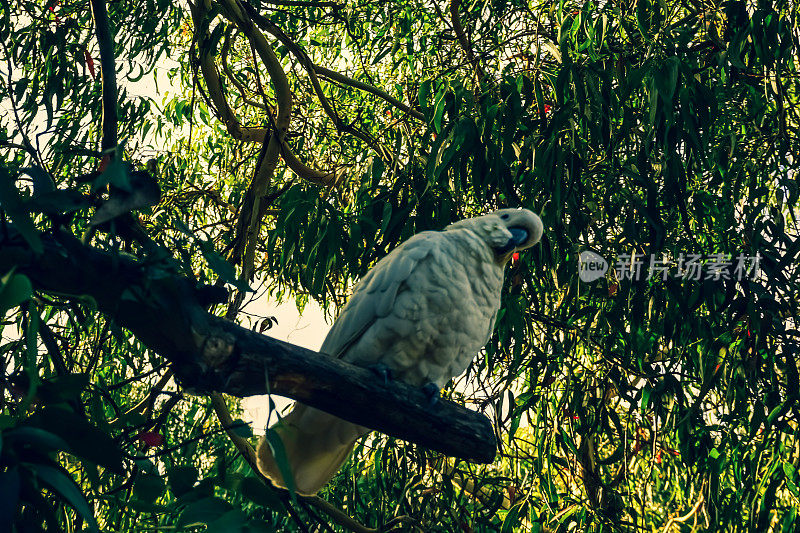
[432, 392]
[382, 371]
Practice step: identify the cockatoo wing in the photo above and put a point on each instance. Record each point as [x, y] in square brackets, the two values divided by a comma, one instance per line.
[317, 443]
[375, 294]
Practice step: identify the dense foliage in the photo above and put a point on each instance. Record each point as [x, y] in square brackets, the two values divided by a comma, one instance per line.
[302, 140]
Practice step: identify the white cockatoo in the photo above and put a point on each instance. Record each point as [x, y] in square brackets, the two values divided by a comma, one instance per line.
[422, 313]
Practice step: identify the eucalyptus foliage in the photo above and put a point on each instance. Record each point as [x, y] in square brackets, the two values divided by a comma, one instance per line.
[648, 129]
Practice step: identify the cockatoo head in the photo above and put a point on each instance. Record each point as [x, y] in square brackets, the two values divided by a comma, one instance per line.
[505, 231]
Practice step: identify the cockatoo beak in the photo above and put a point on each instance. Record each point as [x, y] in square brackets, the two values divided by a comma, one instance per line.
[518, 236]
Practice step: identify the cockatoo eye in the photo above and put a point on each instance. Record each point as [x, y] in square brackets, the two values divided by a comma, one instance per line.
[505, 216]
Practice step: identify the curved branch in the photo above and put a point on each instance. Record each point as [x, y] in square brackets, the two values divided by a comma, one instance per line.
[247, 134]
[283, 94]
[309, 67]
[687, 516]
[305, 3]
[316, 70]
[307, 173]
[223, 60]
[211, 77]
[249, 223]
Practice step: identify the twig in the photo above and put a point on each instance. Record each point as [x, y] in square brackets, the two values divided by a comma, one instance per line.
[463, 41]
[249, 134]
[685, 517]
[345, 80]
[137, 377]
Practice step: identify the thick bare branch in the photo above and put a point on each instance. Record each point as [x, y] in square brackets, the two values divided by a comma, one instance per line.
[248, 226]
[283, 94]
[215, 92]
[207, 353]
[247, 134]
[320, 177]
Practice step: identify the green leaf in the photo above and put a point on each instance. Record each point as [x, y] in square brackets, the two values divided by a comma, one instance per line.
[242, 428]
[377, 168]
[20, 88]
[223, 269]
[148, 487]
[230, 522]
[666, 78]
[42, 182]
[511, 520]
[203, 512]
[64, 486]
[36, 438]
[257, 492]
[58, 202]
[85, 440]
[438, 111]
[279, 453]
[790, 518]
[116, 174]
[147, 507]
[62, 388]
[181, 479]
[424, 94]
[9, 493]
[14, 289]
[258, 526]
[12, 204]
[779, 410]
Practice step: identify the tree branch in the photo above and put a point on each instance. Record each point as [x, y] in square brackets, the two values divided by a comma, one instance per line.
[232, 124]
[108, 72]
[316, 70]
[463, 41]
[308, 65]
[346, 80]
[165, 312]
[305, 3]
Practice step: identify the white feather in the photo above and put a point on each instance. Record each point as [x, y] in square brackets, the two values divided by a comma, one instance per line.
[424, 310]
